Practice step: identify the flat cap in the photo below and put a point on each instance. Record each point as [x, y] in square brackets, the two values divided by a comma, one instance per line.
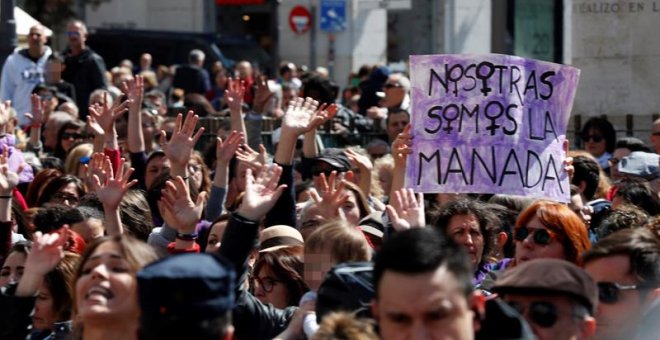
[641, 164]
[549, 277]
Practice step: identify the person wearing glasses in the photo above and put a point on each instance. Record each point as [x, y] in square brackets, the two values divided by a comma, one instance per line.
[83, 67]
[624, 147]
[549, 230]
[70, 134]
[626, 268]
[599, 138]
[557, 298]
[277, 277]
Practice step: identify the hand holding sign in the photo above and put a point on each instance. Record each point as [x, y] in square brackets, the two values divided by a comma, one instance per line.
[489, 124]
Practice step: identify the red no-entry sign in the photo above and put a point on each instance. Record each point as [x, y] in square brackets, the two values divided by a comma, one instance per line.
[300, 19]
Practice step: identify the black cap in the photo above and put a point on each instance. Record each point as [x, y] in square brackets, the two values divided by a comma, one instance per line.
[186, 286]
[336, 158]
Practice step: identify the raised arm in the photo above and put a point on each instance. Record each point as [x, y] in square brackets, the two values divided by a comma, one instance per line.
[224, 152]
[8, 181]
[182, 214]
[36, 117]
[44, 256]
[110, 193]
[310, 149]
[134, 90]
[234, 98]
[406, 210]
[180, 147]
[401, 148]
[106, 115]
[364, 165]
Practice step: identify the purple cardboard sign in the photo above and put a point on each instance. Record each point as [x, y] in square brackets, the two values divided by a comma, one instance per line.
[489, 124]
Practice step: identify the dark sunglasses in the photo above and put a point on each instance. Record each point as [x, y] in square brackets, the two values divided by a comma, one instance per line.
[541, 237]
[73, 34]
[609, 292]
[73, 135]
[593, 138]
[657, 133]
[541, 313]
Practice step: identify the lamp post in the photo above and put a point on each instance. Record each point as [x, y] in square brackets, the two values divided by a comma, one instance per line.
[7, 29]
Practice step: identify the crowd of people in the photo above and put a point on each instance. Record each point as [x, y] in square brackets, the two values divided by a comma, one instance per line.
[113, 225]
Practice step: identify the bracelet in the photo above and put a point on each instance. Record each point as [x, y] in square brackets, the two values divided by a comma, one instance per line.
[186, 237]
[6, 197]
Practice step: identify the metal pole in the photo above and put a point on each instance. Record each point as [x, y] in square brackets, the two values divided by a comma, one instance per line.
[312, 39]
[7, 30]
[275, 35]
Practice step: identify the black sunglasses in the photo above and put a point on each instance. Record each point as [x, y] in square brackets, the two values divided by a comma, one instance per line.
[609, 292]
[391, 86]
[539, 236]
[594, 138]
[541, 313]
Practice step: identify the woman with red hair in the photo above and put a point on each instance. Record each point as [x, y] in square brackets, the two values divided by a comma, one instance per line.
[550, 230]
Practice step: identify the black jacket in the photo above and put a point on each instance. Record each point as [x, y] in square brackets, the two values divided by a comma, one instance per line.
[252, 318]
[86, 72]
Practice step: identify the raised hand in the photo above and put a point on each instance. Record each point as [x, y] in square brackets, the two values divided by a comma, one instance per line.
[261, 193]
[359, 161]
[95, 167]
[106, 115]
[251, 158]
[44, 256]
[4, 112]
[329, 195]
[568, 161]
[234, 95]
[300, 116]
[226, 150]
[179, 148]
[111, 191]
[37, 116]
[46, 252]
[262, 95]
[8, 178]
[402, 146]
[94, 127]
[134, 90]
[181, 212]
[406, 210]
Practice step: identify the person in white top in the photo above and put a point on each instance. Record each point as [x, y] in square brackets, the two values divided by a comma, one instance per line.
[23, 70]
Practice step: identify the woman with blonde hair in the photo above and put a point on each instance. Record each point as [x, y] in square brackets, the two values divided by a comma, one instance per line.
[77, 157]
[105, 288]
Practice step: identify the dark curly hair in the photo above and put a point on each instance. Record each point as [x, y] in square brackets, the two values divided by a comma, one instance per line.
[487, 221]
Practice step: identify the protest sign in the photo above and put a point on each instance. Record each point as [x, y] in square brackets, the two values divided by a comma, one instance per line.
[489, 124]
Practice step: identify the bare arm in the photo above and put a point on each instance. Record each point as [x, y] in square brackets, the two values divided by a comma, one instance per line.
[401, 148]
[234, 97]
[134, 89]
[179, 148]
[110, 194]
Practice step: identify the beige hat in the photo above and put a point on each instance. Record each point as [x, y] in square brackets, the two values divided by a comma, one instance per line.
[279, 236]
